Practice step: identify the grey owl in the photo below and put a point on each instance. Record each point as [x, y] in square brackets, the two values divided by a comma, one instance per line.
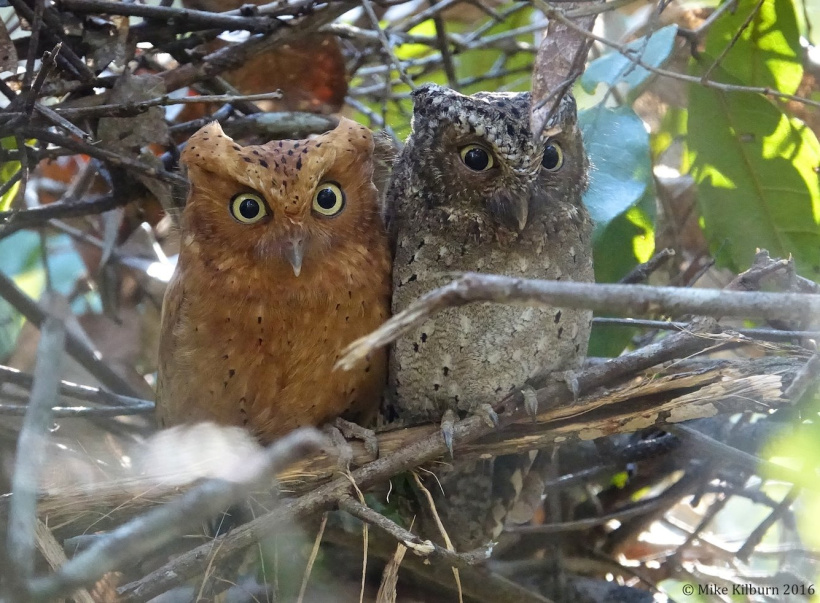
[472, 191]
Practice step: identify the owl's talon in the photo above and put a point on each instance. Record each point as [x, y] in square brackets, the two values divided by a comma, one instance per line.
[352, 431]
[486, 412]
[448, 422]
[571, 379]
[530, 402]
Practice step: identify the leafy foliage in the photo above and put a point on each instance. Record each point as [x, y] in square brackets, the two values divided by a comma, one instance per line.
[767, 53]
[755, 169]
[615, 68]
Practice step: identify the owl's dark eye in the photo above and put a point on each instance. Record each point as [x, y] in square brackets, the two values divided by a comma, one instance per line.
[329, 199]
[553, 157]
[248, 208]
[476, 158]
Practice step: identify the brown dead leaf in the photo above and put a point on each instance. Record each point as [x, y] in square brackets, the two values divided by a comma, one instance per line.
[310, 72]
[560, 59]
[131, 134]
[107, 40]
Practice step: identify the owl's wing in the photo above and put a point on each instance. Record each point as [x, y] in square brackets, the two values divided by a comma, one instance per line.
[171, 315]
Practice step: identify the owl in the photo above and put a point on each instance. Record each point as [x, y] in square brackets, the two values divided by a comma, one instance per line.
[473, 191]
[284, 261]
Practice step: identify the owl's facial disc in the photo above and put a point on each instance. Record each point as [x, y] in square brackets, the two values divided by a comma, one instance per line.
[510, 211]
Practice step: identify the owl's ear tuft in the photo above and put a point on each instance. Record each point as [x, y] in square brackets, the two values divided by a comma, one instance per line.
[355, 134]
[206, 145]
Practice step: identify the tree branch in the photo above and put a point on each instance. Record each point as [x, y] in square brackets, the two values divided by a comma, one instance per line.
[628, 299]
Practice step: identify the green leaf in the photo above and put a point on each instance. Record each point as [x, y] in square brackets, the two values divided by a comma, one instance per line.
[618, 148]
[19, 259]
[756, 171]
[615, 68]
[7, 170]
[632, 236]
[767, 53]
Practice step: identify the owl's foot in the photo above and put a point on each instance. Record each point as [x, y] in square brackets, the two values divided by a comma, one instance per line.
[571, 379]
[352, 430]
[448, 421]
[486, 412]
[530, 401]
[343, 449]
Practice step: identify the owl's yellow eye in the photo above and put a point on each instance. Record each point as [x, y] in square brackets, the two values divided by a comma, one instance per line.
[553, 157]
[329, 199]
[248, 208]
[476, 158]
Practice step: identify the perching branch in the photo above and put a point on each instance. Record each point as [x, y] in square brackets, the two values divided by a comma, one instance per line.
[633, 300]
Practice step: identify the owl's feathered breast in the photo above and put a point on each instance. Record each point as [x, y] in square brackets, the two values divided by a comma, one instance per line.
[280, 268]
[478, 353]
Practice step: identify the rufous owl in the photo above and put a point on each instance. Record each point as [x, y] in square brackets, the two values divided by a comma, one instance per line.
[284, 261]
[472, 191]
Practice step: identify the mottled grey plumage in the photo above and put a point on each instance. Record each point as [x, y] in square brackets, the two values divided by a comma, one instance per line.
[516, 218]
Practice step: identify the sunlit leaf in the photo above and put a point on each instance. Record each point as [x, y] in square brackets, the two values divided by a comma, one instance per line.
[411, 50]
[767, 53]
[8, 170]
[19, 260]
[618, 147]
[615, 68]
[756, 171]
[627, 241]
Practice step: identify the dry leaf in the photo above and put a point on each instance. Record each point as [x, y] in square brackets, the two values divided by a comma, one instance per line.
[131, 134]
[561, 58]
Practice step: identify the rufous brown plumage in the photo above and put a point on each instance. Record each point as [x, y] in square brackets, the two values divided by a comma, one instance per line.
[284, 261]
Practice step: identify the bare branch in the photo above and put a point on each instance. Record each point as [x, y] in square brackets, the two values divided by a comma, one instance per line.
[31, 447]
[186, 17]
[630, 299]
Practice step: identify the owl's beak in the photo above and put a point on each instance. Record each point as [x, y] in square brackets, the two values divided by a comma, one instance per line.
[510, 211]
[521, 210]
[295, 251]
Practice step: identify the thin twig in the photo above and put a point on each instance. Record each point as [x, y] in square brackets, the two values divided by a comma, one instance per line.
[183, 16]
[733, 41]
[312, 558]
[125, 404]
[76, 347]
[422, 548]
[641, 272]
[138, 107]
[37, 216]
[111, 157]
[629, 54]
[668, 325]
[748, 547]
[386, 46]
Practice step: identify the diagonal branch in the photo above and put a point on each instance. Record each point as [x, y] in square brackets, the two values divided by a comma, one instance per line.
[628, 299]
